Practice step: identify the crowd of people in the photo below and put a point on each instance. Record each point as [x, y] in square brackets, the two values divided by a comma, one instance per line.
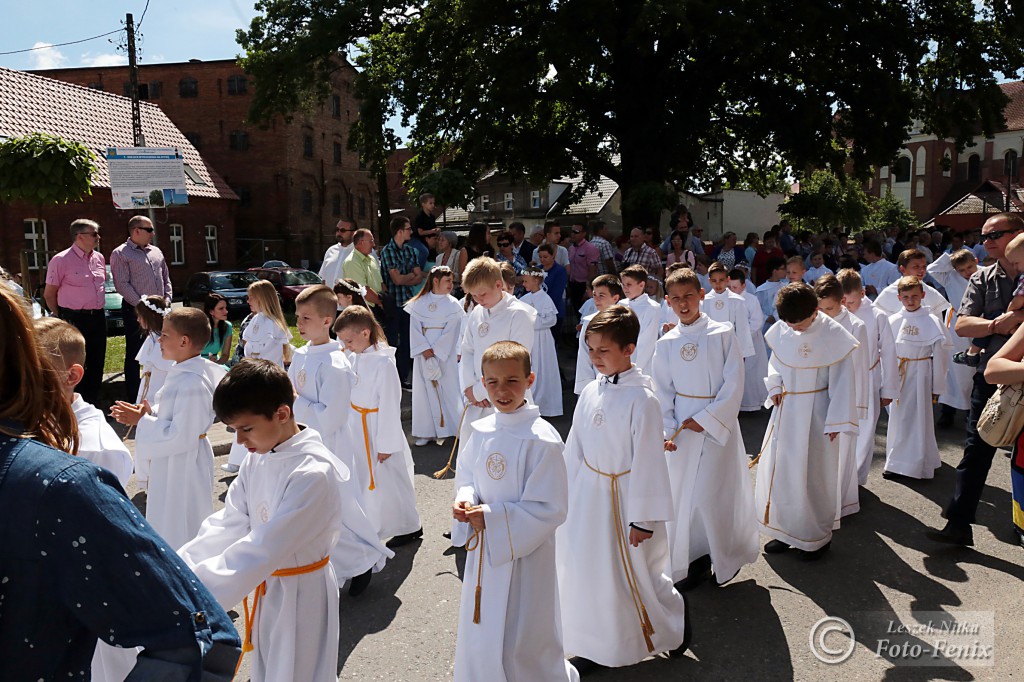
[582, 548]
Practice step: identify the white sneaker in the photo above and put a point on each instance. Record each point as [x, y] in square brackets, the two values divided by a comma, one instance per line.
[439, 441]
[230, 468]
[421, 442]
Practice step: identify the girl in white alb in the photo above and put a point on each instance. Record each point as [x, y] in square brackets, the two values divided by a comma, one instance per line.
[153, 368]
[267, 335]
[547, 387]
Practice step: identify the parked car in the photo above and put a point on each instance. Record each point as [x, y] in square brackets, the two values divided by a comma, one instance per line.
[289, 282]
[275, 264]
[112, 307]
[231, 284]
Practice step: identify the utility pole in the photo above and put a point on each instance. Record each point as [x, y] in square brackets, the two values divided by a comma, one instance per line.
[138, 139]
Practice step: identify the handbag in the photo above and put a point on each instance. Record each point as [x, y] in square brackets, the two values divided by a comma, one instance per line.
[1002, 420]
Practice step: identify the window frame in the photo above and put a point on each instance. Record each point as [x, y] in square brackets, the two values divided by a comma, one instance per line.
[188, 87]
[212, 245]
[534, 198]
[176, 236]
[237, 85]
[31, 234]
[1011, 163]
[485, 202]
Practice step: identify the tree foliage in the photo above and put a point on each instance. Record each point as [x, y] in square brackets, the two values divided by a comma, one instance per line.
[691, 93]
[449, 187]
[45, 169]
[827, 201]
[888, 211]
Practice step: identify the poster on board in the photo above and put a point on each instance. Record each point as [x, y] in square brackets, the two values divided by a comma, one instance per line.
[146, 177]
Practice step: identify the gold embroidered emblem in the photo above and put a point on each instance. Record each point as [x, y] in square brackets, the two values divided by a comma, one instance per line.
[432, 307]
[910, 330]
[805, 350]
[719, 304]
[599, 419]
[301, 379]
[263, 513]
[496, 466]
[483, 329]
[688, 352]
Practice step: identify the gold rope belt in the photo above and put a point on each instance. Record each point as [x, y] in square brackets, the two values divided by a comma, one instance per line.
[476, 542]
[364, 413]
[261, 589]
[145, 391]
[627, 562]
[695, 397]
[451, 456]
[903, 370]
[776, 417]
[877, 360]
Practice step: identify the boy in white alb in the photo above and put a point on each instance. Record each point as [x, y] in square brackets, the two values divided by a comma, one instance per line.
[953, 272]
[699, 379]
[547, 389]
[322, 377]
[922, 351]
[634, 286]
[830, 302]
[273, 538]
[810, 375]
[756, 365]
[383, 465]
[722, 305]
[766, 291]
[64, 345]
[879, 272]
[817, 269]
[512, 492]
[913, 263]
[613, 550]
[172, 432]
[881, 360]
[606, 292]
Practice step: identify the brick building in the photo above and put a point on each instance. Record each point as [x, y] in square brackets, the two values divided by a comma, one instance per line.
[193, 238]
[930, 176]
[294, 180]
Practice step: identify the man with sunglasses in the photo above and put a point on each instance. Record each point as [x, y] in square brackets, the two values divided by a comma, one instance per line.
[583, 265]
[334, 258]
[74, 292]
[139, 269]
[982, 314]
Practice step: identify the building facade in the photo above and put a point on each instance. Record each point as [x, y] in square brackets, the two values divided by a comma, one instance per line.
[294, 180]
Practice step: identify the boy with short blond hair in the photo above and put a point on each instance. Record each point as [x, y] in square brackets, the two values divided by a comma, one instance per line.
[912, 262]
[512, 492]
[172, 432]
[634, 285]
[607, 291]
[756, 364]
[810, 374]
[64, 346]
[722, 305]
[922, 350]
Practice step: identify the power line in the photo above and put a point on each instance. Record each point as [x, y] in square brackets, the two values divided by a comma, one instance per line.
[143, 17]
[73, 42]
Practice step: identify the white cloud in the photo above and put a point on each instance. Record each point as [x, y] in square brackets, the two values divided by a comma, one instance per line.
[89, 59]
[46, 56]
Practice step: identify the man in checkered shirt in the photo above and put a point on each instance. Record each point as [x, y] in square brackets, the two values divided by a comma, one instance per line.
[640, 253]
[399, 264]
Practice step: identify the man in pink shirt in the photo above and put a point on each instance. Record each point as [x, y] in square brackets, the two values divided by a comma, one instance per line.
[583, 260]
[74, 291]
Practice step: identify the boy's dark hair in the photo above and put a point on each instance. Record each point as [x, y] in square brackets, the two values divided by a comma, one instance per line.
[618, 324]
[717, 267]
[873, 247]
[609, 282]
[738, 275]
[683, 277]
[795, 302]
[635, 272]
[253, 386]
[908, 255]
[190, 322]
[398, 223]
[775, 262]
[827, 286]
[678, 265]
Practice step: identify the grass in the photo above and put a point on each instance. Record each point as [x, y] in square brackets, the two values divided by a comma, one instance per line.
[116, 345]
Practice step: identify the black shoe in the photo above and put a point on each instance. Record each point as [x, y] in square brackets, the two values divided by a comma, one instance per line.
[953, 534]
[816, 554]
[893, 476]
[585, 665]
[699, 571]
[400, 540]
[359, 584]
[963, 358]
[1020, 535]
[681, 650]
[775, 547]
[407, 385]
[447, 535]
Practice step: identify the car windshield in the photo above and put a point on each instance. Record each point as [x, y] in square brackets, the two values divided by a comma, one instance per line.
[232, 280]
[108, 285]
[300, 277]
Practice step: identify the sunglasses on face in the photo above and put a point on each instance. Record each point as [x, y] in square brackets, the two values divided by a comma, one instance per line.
[577, 231]
[504, 244]
[997, 234]
[146, 229]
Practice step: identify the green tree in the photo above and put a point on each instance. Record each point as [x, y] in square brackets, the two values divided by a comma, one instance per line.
[888, 211]
[449, 187]
[686, 92]
[45, 169]
[827, 201]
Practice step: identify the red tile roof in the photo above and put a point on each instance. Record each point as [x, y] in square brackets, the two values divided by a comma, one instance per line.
[1014, 112]
[30, 103]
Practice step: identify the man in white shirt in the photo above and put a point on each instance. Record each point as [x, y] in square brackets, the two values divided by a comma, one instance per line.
[879, 272]
[335, 257]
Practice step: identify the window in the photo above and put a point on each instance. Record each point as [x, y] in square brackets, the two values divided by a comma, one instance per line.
[485, 202]
[535, 199]
[191, 174]
[307, 202]
[307, 146]
[902, 169]
[244, 196]
[509, 201]
[35, 243]
[96, 86]
[974, 167]
[1010, 164]
[362, 207]
[196, 139]
[211, 244]
[188, 87]
[335, 106]
[156, 88]
[177, 245]
[238, 140]
[236, 85]
[337, 153]
[336, 205]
